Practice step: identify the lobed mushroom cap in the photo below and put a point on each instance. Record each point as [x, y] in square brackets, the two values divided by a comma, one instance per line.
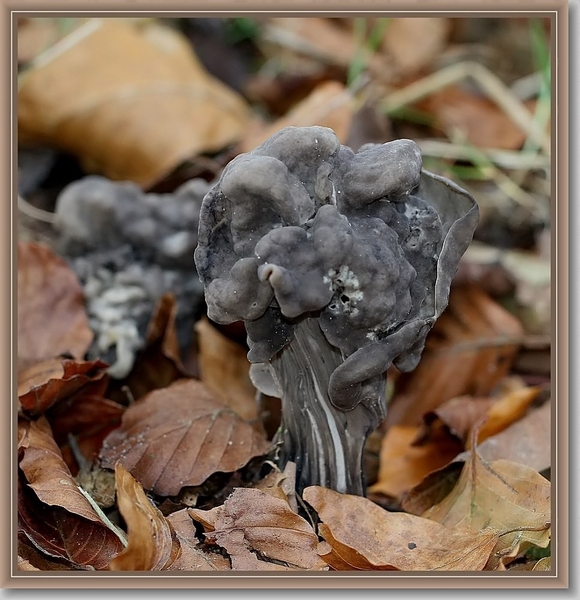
[366, 242]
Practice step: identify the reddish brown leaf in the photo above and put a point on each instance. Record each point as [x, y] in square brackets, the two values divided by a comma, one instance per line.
[179, 436]
[63, 535]
[51, 314]
[49, 382]
[483, 122]
[253, 523]
[159, 363]
[465, 353]
[224, 370]
[152, 544]
[89, 419]
[403, 465]
[367, 537]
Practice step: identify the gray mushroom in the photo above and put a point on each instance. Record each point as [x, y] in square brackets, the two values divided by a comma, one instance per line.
[339, 263]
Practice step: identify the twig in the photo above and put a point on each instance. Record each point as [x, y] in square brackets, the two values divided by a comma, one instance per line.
[106, 521]
[490, 83]
[502, 158]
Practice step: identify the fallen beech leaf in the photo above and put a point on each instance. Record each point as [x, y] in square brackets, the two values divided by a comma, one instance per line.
[49, 382]
[224, 370]
[60, 534]
[367, 537]
[330, 104]
[403, 465]
[465, 353]
[192, 558]
[504, 412]
[31, 558]
[152, 544]
[48, 474]
[527, 441]
[483, 122]
[400, 41]
[130, 105]
[159, 363]
[509, 498]
[179, 436]
[253, 523]
[51, 314]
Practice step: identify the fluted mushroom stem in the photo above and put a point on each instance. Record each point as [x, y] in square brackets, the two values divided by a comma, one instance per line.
[326, 443]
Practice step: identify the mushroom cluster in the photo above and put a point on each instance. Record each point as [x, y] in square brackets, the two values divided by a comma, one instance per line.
[338, 263]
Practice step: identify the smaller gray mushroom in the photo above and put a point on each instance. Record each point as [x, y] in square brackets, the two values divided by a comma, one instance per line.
[339, 263]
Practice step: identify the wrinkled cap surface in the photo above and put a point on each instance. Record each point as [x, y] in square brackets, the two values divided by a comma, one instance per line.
[366, 242]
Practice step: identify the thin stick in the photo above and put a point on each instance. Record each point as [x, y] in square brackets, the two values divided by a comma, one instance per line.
[490, 83]
[502, 158]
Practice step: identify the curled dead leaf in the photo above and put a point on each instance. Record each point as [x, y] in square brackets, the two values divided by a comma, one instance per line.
[366, 537]
[48, 475]
[57, 533]
[52, 320]
[51, 381]
[179, 436]
[503, 496]
[403, 465]
[152, 543]
[261, 532]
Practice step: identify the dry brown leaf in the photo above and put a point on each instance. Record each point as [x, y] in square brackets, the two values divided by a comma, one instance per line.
[60, 534]
[159, 363]
[330, 104]
[152, 544]
[51, 313]
[128, 107]
[179, 436]
[51, 381]
[466, 353]
[193, 558]
[527, 441]
[224, 369]
[48, 474]
[253, 523]
[400, 41]
[367, 537]
[501, 414]
[483, 123]
[403, 465]
[503, 496]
